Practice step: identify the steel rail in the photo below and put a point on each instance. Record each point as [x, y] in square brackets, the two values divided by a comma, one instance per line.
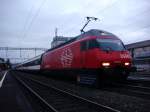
[37, 95]
[132, 90]
[132, 86]
[105, 108]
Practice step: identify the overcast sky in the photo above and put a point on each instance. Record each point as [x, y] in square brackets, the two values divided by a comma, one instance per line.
[31, 23]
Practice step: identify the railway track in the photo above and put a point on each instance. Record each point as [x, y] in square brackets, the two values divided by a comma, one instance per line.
[138, 83]
[130, 89]
[132, 86]
[57, 100]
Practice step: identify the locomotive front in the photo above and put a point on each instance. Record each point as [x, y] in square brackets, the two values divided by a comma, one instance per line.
[114, 58]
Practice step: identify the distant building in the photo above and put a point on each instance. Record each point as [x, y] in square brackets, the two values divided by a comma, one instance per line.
[139, 49]
[140, 52]
[59, 40]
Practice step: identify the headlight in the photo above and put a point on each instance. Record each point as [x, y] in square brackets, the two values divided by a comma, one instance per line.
[105, 64]
[126, 63]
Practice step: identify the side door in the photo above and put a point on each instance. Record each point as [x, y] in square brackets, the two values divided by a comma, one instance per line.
[91, 53]
[83, 50]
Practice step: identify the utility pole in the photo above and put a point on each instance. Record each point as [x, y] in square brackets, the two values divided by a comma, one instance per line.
[56, 30]
[88, 20]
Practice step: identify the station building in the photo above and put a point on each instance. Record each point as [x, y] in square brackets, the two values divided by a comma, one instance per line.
[139, 49]
[57, 40]
[140, 52]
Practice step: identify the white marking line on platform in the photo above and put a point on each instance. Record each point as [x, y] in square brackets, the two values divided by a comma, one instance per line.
[1, 82]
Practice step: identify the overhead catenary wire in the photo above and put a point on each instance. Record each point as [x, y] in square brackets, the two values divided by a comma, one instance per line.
[135, 30]
[136, 19]
[26, 21]
[101, 11]
[33, 19]
[109, 6]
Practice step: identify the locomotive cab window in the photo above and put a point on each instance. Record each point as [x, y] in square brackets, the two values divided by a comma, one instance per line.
[110, 44]
[92, 44]
[83, 45]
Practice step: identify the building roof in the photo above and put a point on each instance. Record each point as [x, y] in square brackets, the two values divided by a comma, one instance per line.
[61, 38]
[138, 44]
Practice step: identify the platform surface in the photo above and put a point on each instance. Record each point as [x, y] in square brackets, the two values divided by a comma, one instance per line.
[12, 98]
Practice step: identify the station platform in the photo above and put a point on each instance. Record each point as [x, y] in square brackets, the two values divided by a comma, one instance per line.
[12, 98]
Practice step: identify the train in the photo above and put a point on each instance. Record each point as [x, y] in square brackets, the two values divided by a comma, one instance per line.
[88, 58]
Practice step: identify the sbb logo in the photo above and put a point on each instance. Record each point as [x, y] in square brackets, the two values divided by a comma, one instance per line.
[66, 57]
[124, 56]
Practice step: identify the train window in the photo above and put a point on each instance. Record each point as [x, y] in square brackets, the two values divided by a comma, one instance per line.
[90, 44]
[93, 44]
[83, 45]
[110, 44]
[37, 62]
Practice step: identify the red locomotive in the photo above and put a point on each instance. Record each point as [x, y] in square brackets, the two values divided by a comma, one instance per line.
[88, 57]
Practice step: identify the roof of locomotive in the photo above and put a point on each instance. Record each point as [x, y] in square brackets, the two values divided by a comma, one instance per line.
[92, 32]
